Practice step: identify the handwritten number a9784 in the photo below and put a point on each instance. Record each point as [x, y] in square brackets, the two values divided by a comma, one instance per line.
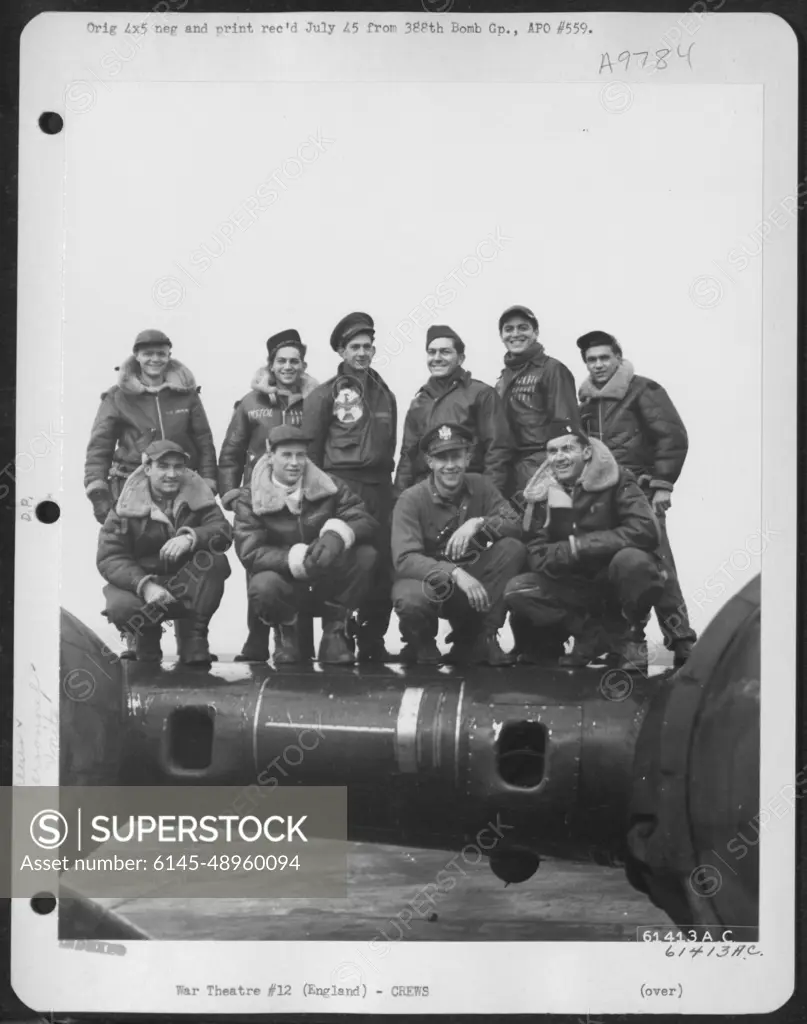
[624, 58]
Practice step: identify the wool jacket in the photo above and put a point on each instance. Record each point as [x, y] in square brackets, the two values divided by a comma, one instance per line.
[605, 511]
[535, 393]
[133, 415]
[270, 537]
[354, 425]
[135, 530]
[469, 403]
[422, 518]
[266, 406]
[634, 416]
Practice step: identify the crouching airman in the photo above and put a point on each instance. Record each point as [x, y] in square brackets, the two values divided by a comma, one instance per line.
[591, 540]
[162, 552]
[454, 547]
[306, 542]
[276, 399]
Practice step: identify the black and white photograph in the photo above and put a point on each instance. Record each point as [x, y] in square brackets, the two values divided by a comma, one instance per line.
[417, 391]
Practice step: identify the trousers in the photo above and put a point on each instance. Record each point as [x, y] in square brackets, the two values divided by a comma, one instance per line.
[197, 588]
[625, 589]
[278, 597]
[376, 606]
[671, 609]
[420, 604]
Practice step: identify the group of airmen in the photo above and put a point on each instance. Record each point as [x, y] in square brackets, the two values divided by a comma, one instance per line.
[527, 498]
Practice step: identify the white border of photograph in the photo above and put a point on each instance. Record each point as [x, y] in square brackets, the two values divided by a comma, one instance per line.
[60, 64]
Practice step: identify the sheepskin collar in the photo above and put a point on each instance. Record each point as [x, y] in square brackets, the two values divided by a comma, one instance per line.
[614, 388]
[264, 382]
[135, 500]
[269, 497]
[600, 473]
[177, 378]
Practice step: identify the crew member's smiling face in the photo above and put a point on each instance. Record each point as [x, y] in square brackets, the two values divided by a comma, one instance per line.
[449, 467]
[568, 457]
[153, 359]
[358, 352]
[288, 463]
[517, 333]
[287, 366]
[165, 474]
[442, 357]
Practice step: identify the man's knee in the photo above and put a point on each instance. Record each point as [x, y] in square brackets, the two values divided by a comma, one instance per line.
[269, 595]
[220, 569]
[364, 557]
[265, 586]
[633, 565]
[636, 578]
[203, 570]
[410, 597]
[121, 605]
[511, 551]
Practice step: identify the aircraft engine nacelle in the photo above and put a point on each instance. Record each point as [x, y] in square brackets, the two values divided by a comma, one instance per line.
[586, 764]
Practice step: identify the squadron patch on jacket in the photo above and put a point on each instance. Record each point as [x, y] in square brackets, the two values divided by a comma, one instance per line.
[348, 406]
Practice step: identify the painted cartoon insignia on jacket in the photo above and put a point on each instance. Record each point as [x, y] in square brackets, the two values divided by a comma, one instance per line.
[348, 406]
[444, 433]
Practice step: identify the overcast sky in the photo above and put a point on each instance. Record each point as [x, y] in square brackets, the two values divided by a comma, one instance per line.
[603, 219]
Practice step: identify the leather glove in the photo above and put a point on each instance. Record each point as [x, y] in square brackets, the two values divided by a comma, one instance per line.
[322, 553]
[101, 504]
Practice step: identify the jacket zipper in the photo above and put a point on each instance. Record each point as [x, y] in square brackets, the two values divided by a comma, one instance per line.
[160, 417]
